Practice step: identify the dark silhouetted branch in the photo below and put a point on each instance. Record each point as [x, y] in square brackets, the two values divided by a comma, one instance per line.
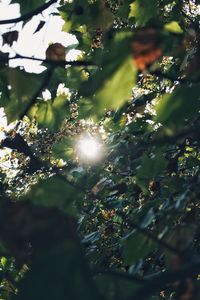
[158, 282]
[154, 238]
[42, 86]
[61, 63]
[121, 275]
[29, 15]
[169, 77]
[58, 63]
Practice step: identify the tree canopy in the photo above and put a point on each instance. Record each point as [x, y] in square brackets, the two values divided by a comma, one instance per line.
[99, 191]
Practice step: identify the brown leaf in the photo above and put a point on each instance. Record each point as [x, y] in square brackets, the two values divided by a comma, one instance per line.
[55, 52]
[108, 214]
[146, 47]
[10, 37]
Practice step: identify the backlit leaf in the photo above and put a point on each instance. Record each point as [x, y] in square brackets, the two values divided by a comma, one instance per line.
[50, 113]
[183, 103]
[23, 85]
[143, 11]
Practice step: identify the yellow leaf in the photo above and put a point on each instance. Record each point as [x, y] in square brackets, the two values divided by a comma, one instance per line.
[173, 27]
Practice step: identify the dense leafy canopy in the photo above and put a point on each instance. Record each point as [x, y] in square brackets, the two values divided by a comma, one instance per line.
[123, 224]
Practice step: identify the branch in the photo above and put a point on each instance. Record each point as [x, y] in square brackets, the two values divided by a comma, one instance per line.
[158, 282]
[187, 131]
[44, 83]
[55, 63]
[156, 140]
[187, 17]
[154, 238]
[29, 15]
[170, 77]
[122, 275]
[16, 142]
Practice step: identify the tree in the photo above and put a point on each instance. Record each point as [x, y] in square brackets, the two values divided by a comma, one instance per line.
[123, 224]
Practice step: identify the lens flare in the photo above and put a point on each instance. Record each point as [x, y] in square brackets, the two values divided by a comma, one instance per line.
[89, 149]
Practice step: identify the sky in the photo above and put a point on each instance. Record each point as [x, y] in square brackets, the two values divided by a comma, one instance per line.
[30, 44]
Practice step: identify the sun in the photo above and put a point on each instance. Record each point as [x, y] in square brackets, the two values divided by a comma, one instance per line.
[89, 149]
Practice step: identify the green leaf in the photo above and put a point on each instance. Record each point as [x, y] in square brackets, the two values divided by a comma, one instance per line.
[110, 83]
[51, 113]
[4, 261]
[54, 192]
[173, 109]
[23, 86]
[124, 9]
[102, 17]
[118, 88]
[75, 13]
[28, 5]
[143, 11]
[107, 60]
[136, 246]
[150, 168]
[64, 149]
[94, 16]
[114, 92]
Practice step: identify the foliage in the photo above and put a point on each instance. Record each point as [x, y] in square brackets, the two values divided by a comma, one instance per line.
[126, 225]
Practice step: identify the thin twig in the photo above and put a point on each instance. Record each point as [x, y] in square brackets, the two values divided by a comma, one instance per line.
[187, 131]
[154, 238]
[28, 15]
[43, 84]
[170, 77]
[55, 63]
[187, 17]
